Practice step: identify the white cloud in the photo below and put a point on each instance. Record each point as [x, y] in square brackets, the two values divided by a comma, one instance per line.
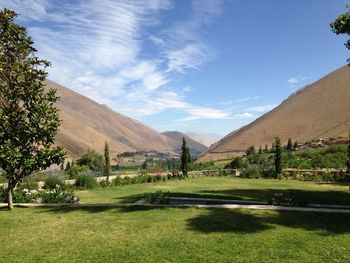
[248, 99]
[295, 80]
[96, 49]
[245, 115]
[262, 108]
[183, 45]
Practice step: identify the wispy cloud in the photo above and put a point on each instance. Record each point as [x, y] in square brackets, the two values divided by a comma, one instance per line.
[96, 49]
[248, 99]
[295, 80]
[262, 108]
[183, 45]
[244, 115]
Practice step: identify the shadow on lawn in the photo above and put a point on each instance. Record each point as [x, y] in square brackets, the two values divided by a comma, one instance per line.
[302, 196]
[226, 220]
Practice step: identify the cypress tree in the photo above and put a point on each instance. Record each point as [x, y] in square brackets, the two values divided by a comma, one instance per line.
[107, 162]
[289, 145]
[278, 156]
[185, 157]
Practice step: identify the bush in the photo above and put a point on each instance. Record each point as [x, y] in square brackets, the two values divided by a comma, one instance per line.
[86, 181]
[157, 197]
[252, 171]
[284, 199]
[28, 184]
[52, 181]
[75, 169]
[56, 195]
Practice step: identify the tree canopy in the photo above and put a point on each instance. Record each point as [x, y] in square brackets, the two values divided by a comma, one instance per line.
[29, 120]
[341, 25]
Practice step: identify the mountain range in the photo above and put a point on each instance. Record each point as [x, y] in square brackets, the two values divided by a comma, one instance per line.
[88, 124]
[319, 110]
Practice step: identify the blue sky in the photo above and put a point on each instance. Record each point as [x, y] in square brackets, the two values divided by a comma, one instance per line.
[206, 66]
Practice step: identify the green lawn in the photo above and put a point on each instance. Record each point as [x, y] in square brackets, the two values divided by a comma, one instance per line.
[224, 187]
[168, 234]
[142, 234]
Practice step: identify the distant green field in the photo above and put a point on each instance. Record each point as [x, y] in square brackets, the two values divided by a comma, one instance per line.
[224, 187]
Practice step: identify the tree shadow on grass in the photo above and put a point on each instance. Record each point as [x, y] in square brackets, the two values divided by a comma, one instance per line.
[301, 196]
[238, 221]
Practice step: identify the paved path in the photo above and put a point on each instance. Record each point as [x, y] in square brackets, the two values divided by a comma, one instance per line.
[225, 206]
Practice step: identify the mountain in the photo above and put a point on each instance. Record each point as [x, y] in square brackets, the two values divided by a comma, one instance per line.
[176, 137]
[88, 124]
[206, 139]
[319, 110]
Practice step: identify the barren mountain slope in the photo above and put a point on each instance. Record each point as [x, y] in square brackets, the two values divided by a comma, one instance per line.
[318, 110]
[176, 137]
[85, 123]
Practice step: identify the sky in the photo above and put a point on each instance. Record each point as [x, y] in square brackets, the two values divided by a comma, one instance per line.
[205, 66]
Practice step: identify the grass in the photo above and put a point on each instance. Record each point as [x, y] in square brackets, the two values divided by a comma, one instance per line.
[142, 234]
[224, 187]
[168, 234]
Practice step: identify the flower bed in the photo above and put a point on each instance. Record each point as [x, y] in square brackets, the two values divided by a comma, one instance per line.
[56, 195]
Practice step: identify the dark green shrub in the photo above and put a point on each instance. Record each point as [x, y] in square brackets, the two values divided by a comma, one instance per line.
[28, 184]
[86, 181]
[252, 171]
[52, 181]
[157, 197]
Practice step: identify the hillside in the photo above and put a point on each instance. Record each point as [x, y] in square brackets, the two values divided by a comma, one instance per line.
[206, 139]
[87, 124]
[175, 136]
[316, 111]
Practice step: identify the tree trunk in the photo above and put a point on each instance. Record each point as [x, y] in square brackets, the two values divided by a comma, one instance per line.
[9, 196]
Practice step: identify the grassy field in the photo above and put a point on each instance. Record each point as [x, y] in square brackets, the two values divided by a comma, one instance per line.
[224, 187]
[171, 235]
[168, 234]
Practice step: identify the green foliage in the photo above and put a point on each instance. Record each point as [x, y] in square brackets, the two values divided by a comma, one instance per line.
[75, 169]
[86, 180]
[29, 120]
[51, 182]
[185, 157]
[251, 171]
[158, 197]
[250, 150]
[92, 159]
[278, 156]
[289, 145]
[107, 166]
[348, 156]
[236, 163]
[56, 195]
[342, 26]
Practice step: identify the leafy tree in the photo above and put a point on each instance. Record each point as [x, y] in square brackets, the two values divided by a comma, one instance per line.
[266, 150]
[341, 25]
[295, 146]
[29, 120]
[92, 159]
[68, 166]
[236, 163]
[107, 167]
[260, 150]
[278, 156]
[250, 150]
[289, 145]
[185, 157]
[144, 165]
